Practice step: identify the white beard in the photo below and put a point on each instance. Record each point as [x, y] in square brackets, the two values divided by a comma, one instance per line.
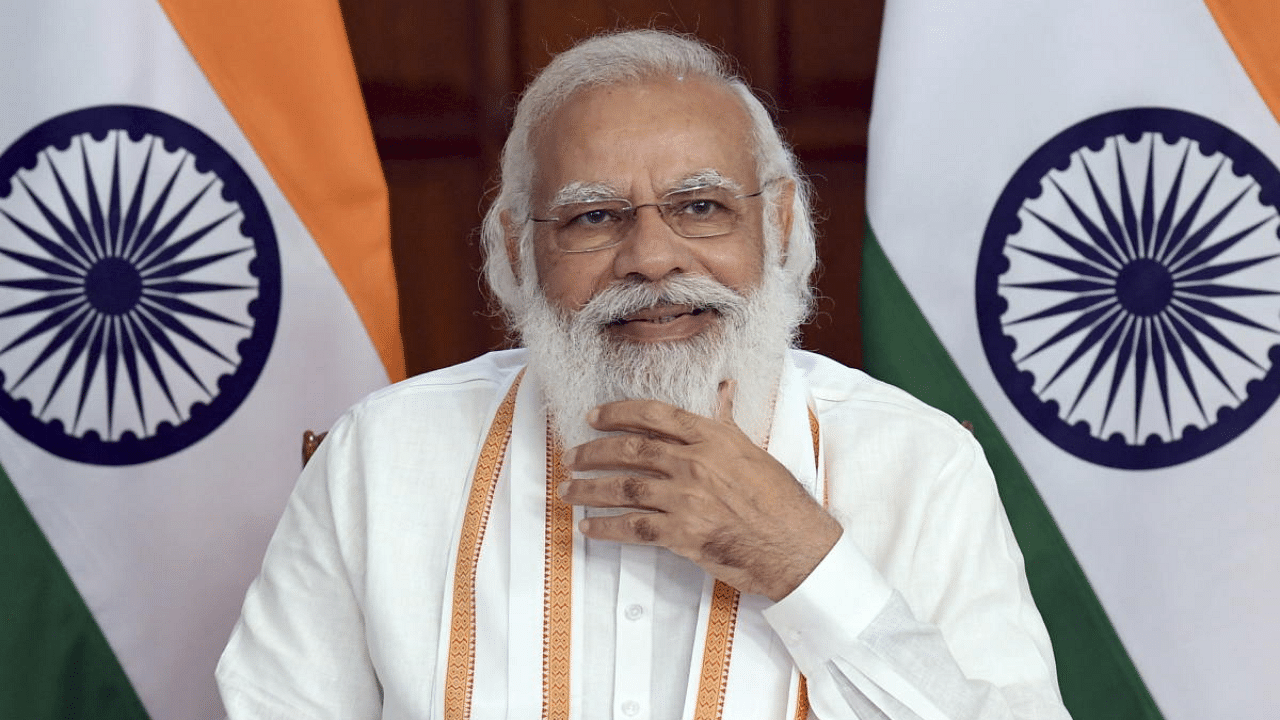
[581, 365]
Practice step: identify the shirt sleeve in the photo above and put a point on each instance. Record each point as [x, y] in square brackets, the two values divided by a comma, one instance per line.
[975, 650]
[299, 649]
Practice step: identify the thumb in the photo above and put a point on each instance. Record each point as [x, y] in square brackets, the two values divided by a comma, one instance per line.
[725, 393]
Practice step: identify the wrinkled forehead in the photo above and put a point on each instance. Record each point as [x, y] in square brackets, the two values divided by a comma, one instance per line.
[643, 139]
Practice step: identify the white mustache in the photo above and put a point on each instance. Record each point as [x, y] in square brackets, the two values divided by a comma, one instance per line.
[627, 297]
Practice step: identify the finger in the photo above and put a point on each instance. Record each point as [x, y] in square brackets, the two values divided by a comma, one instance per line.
[725, 394]
[650, 417]
[620, 491]
[644, 528]
[627, 451]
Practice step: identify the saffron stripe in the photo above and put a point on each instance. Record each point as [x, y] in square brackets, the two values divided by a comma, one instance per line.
[557, 599]
[460, 674]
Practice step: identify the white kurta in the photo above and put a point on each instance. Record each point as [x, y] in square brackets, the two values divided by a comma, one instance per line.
[920, 610]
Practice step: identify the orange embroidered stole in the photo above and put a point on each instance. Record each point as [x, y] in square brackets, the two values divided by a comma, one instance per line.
[557, 701]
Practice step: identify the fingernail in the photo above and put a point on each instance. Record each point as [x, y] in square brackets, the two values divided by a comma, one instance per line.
[593, 415]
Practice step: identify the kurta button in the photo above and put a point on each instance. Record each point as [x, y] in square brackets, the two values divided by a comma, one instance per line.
[634, 611]
[630, 707]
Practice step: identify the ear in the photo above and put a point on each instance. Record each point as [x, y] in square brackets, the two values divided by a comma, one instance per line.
[511, 232]
[782, 209]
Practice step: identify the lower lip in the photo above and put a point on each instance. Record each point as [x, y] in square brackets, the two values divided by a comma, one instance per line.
[678, 328]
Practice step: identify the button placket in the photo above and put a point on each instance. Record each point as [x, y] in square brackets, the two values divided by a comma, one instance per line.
[633, 666]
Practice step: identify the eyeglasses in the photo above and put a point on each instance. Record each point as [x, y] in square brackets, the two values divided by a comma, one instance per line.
[701, 212]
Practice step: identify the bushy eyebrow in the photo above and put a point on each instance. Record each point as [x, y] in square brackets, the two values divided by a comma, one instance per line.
[580, 192]
[705, 179]
[584, 192]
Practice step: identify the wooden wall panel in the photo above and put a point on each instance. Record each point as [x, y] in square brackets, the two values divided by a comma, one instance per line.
[440, 81]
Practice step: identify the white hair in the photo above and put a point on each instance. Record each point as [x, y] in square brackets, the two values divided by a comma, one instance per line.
[623, 57]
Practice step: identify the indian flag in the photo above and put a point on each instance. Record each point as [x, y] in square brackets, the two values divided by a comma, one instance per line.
[194, 269]
[1074, 245]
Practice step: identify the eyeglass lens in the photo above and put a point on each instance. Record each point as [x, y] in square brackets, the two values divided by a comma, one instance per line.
[697, 213]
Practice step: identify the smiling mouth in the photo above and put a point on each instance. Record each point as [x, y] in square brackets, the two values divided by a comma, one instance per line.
[660, 315]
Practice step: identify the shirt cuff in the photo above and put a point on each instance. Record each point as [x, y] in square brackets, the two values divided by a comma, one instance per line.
[831, 608]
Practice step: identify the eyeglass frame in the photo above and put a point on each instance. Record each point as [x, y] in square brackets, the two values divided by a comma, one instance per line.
[631, 211]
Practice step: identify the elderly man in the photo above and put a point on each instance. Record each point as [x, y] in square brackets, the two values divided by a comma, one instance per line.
[657, 509]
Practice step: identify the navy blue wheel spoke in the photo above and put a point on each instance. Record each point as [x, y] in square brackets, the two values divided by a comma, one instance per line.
[1189, 339]
[1076, 266]
[190, 287]
[1215, 310]
[135, 204]
[1159, 358]
[1123, 355]
[1081, 248]
[70, 240]
[1189, 244]
[1149, 202]
[180, 246]
[1142, 333]
[1216, 271]
[58, 251]
[113, 353]
[1179, 233]
[1205, 328]
[50, 321]
[182, 306]
[1072, 286]
[129, 353]
[97, 220]
[79, 341]
[1208, 254]
[161, 236]
[143, 345]
[44, 304]
[1090, 339]
[182, 268]
[1174, 348]
[82, 234]
[43, 265]
[162, 340]
[153, 215]
[173, 323]
[44, 284]
[1165, 222]
[1222, 291]
[59, 339]
[92, 358]
[1114, 236]
[1076, 304]
[114, 217]
[1103, 243]
[1106, 352]
[1072, 328]
[1131, 235]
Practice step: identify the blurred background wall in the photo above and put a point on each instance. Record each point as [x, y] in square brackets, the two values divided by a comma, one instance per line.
[440, 80]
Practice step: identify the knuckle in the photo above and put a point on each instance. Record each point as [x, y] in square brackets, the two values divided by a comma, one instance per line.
[635, 489]
[643, 448]
[642, 526]
[686, 421]
[651, 412]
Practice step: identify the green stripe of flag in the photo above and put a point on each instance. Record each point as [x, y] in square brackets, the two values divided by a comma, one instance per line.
[1097, 678]
[55, 663]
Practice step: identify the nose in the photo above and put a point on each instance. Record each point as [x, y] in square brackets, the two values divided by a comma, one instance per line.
[652, 250]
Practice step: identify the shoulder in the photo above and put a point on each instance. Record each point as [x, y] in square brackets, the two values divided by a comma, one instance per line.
[844, 394]
[453, 394]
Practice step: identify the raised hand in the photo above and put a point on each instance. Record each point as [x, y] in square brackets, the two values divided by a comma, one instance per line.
[702, 489]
